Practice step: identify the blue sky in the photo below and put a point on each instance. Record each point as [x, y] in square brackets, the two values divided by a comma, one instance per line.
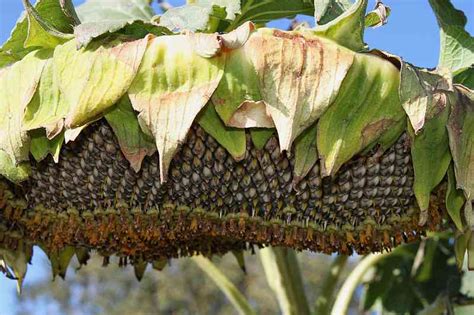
[412, 32]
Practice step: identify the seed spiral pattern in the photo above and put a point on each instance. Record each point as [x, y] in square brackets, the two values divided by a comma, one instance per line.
[211, 202]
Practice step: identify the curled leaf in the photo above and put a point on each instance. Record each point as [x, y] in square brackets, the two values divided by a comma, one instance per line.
[172, 86]
[378, 16]
[251, 114]
[348, 28]
[238, 37]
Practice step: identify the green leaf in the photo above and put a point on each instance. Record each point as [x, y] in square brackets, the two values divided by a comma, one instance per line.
[232, 139]
[284, 278]
[283, 58]
[84, 78]
[466, 78]
[134, 143]
[52, 13]
[41, 146]
[260, 136]
[378, 16]
[237, 299]
[18, 84]
[454, 200]
[107, 16]
[232, 7]
[461, 242]
[173, 84]
[60, 261]
[366, 107]
[347, 29]
[40, 33]
[327, 10]
[43, 111]
[262, 11]
[17, 261]
[426, 101]
[238, 86]
[457, 45]
[12, 172]
[139, 268]
[461, 141]
[306, 153]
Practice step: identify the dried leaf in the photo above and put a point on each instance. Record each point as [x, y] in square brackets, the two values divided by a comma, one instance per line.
[134, 143]
[60, 261]
[18, 84]
[232, 139]
[238, 37]
[299, 77]
[17, 261]
[421, 92]
[171, 87]
[366, 107]
[251, 114]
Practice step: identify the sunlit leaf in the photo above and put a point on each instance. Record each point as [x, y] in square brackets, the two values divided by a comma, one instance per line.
[40, 33]
[366, 107]
[12, 172]
[51, 11]
[348, 28]
[172, 86]
[317, 65]
[327, 10]
[18, 84]
[106, 16]
[84, 79]
[378, 16]
[457, 45]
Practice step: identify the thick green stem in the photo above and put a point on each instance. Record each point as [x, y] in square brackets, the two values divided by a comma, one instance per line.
[228, 288]
[344, 297]
[284, 278]
[325, 299]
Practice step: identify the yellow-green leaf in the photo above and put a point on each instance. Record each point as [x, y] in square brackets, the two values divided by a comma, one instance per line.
[366, 107]
[172, 86]
[41, 146]
[12, 172]
[18, 84]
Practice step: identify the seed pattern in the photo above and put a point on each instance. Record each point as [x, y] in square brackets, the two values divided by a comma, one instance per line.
[211, 203]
